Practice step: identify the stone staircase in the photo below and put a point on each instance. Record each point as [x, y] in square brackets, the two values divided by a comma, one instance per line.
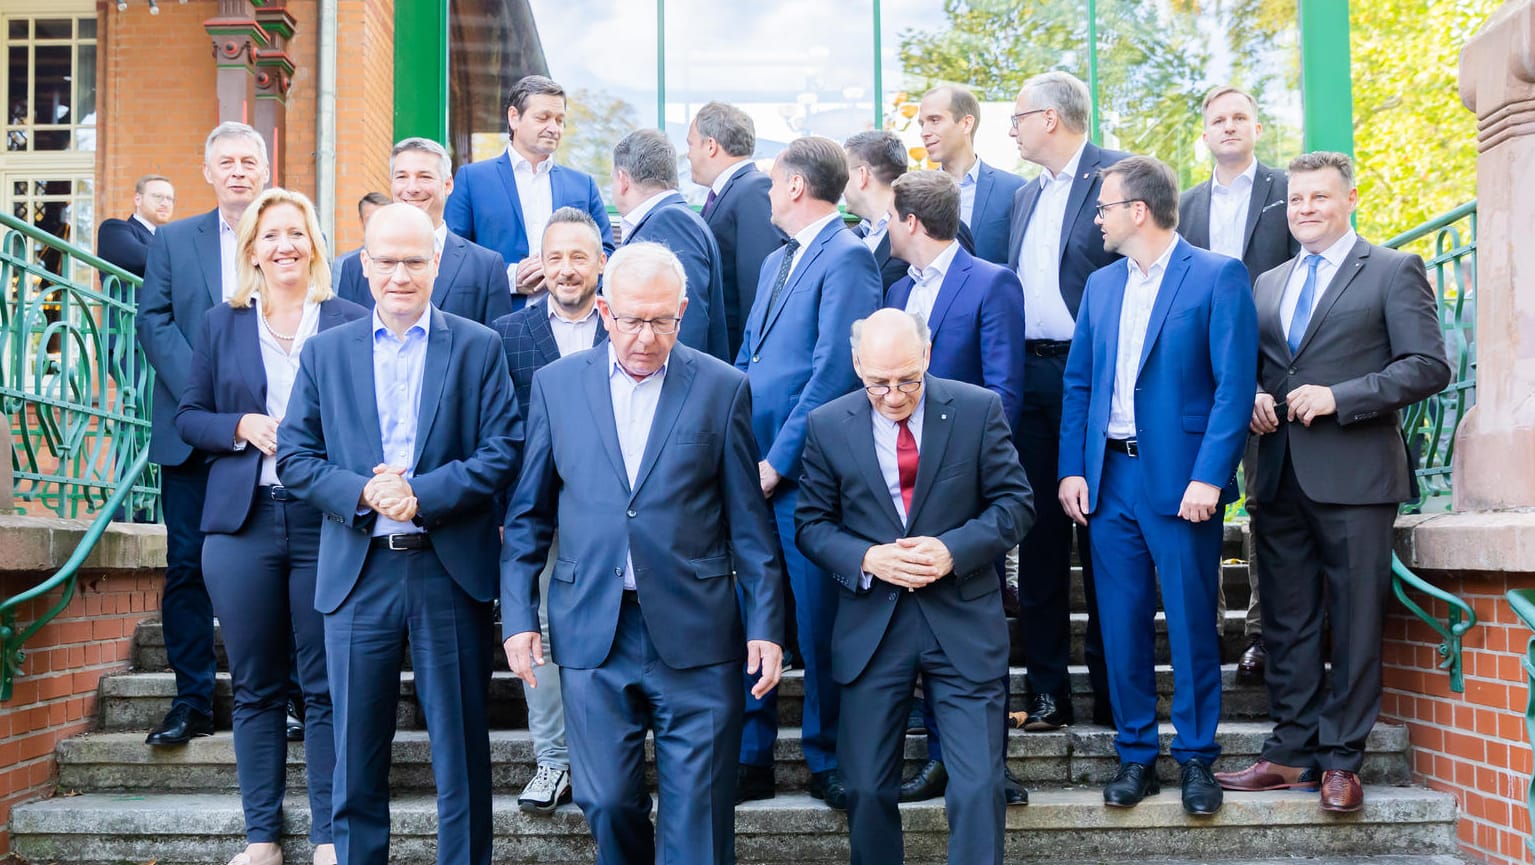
[120, 801]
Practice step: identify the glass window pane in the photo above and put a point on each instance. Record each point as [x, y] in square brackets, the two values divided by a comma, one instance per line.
[87, 27]
[54, 28]
[17, 98]
[53, 94]
[85, 97]
[18, 28]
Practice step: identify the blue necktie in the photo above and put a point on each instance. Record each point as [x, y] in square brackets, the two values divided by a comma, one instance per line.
[1302, 315]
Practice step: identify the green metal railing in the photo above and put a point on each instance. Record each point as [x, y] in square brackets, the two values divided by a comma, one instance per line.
[1523, 603]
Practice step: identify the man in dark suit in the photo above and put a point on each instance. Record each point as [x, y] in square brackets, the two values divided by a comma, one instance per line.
[643, 455]
[721, 140]
[401, 429]
[1349, 335]
[950, 116]
[125, 242]
[911, 532]
[1054, 246]
[1152, 428]
[190, 268]
[504, 203]
[795, 354]
[470, 281]
[1239, 212]
[874, 160]
[645, 193]
[366, 207]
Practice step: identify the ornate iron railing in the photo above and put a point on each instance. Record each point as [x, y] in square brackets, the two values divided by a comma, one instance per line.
[1523, 603]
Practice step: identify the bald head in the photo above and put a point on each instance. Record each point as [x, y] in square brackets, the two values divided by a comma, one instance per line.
[890, 354]
[402, 221]
[399, 256]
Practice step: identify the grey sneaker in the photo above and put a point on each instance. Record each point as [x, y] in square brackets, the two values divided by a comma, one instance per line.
[548, 789]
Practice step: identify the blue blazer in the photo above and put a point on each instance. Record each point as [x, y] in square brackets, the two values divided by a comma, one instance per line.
[484, 207]
[471, 282]
[183, 279]
[991, 219]
[468, 441]
[229, 382]
[125, 243]
[674, 225]
[1082, 249]
[741, 221]
[797, 354]
[1194, 391]
[977, 328]
[529, 344]
[694, 523]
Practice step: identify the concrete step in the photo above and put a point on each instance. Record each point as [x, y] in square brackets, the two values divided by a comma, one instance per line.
[1233, 578]
[1233, 641]
[122, 763]
[1068, 824]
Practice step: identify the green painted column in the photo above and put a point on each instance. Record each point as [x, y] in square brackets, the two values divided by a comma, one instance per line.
[421, 69]
[1327, 82]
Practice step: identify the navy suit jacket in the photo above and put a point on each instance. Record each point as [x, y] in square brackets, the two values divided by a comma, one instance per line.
[891, 269]
[183, 279]
[229, 382]
[1266, 242]
[971, 494]
[742, 223]
[977, 328]
[468, 441]
[1082, 249]
[992, 217]
[471, 282]
[125, 243]
[528, 340]
[797, 354]
[485, 208]
[674, 225]
[1194, 391]
[694, 523]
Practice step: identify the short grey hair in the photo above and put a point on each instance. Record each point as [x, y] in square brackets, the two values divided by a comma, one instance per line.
[1317, 160]
[919, 323]
[728, 125]
[648, 158]
[234, 129]
[576, 216]
[424, 145]
[1065, 93]
[642, 260]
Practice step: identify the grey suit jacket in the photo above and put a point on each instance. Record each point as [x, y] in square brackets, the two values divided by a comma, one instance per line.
[1374, 338]
[1266, 242]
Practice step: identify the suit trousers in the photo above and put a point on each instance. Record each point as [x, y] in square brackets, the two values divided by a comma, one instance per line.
[695, 715]
[262, 585]
[1252, 626]
[1135, 549]
[872, 744]
[407, 595]
[546, 710]
[186, 612]
[1044, 557]
[1317, 559]
[815, 611]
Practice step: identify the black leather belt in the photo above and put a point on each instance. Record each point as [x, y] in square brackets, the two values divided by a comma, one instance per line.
[275, 493]
[407, 541]
[1047, 347]
[1125, 446]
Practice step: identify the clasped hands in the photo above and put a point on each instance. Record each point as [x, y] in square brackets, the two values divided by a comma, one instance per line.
[389, 493]
[910, 563]
[525, 651]
[1305, 404]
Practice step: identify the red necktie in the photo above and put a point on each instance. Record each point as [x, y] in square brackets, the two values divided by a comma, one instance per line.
[906, 464]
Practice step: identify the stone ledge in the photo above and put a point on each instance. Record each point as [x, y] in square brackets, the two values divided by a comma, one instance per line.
[1489, 542]
[42, 545]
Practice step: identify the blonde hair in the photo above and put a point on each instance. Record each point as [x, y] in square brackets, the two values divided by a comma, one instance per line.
[249, 280]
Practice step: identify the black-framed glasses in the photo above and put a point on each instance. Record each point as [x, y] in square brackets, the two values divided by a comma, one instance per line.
[389, 266]
[1022, 114]
[902, 386]
[663, 326]
[1103, 209]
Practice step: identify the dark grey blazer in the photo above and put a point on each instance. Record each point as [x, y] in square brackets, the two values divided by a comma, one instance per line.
[1267, 242]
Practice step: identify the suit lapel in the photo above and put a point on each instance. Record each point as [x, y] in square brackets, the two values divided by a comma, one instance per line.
[1271, 308]
[600, 334]
[937, 424]
[245, 339]
[543, 337]
[859, 425]
[434, 377]
[211, 256]
[1081, 186]
[454, 255]
[953, 283]
[1197, 221]
[1024, 211]
[719, 200]
[985, 183]
[1172, 280]
[1106, 351]
[1263, 184]
[509, 182]
[330, 316]
[364, 392]
[674, 391]
[804, 266]
[1357, 258]
[599, 399]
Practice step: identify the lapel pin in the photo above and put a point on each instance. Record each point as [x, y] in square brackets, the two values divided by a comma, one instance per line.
[943, 417]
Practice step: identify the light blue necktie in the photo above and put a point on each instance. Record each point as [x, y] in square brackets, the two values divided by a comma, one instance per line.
[1302, 315]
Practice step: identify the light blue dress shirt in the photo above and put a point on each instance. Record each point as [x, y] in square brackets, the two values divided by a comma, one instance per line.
[398, 367]
[634, 411]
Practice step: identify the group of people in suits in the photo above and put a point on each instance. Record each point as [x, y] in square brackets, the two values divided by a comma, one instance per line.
[749, 433]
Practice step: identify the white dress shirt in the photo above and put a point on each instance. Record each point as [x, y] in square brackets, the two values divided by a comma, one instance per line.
[1332, 260]
[440, 236]
[805, 236]
[227, 256]
[967, 184]
[875, 232]
[1039, 262]
[925, 283]
[1134, 315]
[724, 176]
[1228, 211]
[886, 435]
[281, 370]
[634, 217]
[634, 410]
[572, 335]
[144, 222]
[536, 195]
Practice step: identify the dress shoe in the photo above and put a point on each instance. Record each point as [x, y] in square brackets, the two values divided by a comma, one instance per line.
[827, 786]
[1048, 712]
[1341, 792]
[1013, 791]
[1254, 660]
[753, 782]
[1201, 795]
[179, 726]
[1132, 783]
[259, 854]
[295, 727]
[929, 783]
[916, 725]
[1264, 775]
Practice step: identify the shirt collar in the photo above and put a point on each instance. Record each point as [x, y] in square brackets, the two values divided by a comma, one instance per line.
[878, 226]
[381, 330]
[726, 173]
[440, 235]
[1159, 266]
[935, 270]
[617, 369]
[808, 233]
[912, 420]
[1250, 174]
[520, 163]
[146, 223]
[1068, 171]
[554, 314]
[1340, 249]
[638, 214]
[973, 176]
[224, 227]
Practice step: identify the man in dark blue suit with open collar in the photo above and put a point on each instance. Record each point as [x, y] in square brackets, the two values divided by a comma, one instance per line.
[401, 429]
[504, 203]
[949, 116]
[470, 282]
[125, 242]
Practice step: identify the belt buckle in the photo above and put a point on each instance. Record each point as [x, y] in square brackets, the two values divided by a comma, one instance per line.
[1131, 448]
[391, 542]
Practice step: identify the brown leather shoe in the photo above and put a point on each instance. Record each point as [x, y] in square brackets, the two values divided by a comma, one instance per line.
[1254, 660]
[1341, 792]
[1264, 775]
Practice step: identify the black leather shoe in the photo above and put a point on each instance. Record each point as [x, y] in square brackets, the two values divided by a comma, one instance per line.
[1048, 712]
[1250, 667]
[915, 723]
[827, 786]
[179, 727]
[929, 783]
[754, 782]
[1132, 783]
[1201, 795]
[295, 728]
[1013, 790]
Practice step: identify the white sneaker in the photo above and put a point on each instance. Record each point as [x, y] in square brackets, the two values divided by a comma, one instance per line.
[550, 787]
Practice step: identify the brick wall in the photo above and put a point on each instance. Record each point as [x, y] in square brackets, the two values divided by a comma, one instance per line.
[55, 695]
[1474, 744]
[364, 109]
